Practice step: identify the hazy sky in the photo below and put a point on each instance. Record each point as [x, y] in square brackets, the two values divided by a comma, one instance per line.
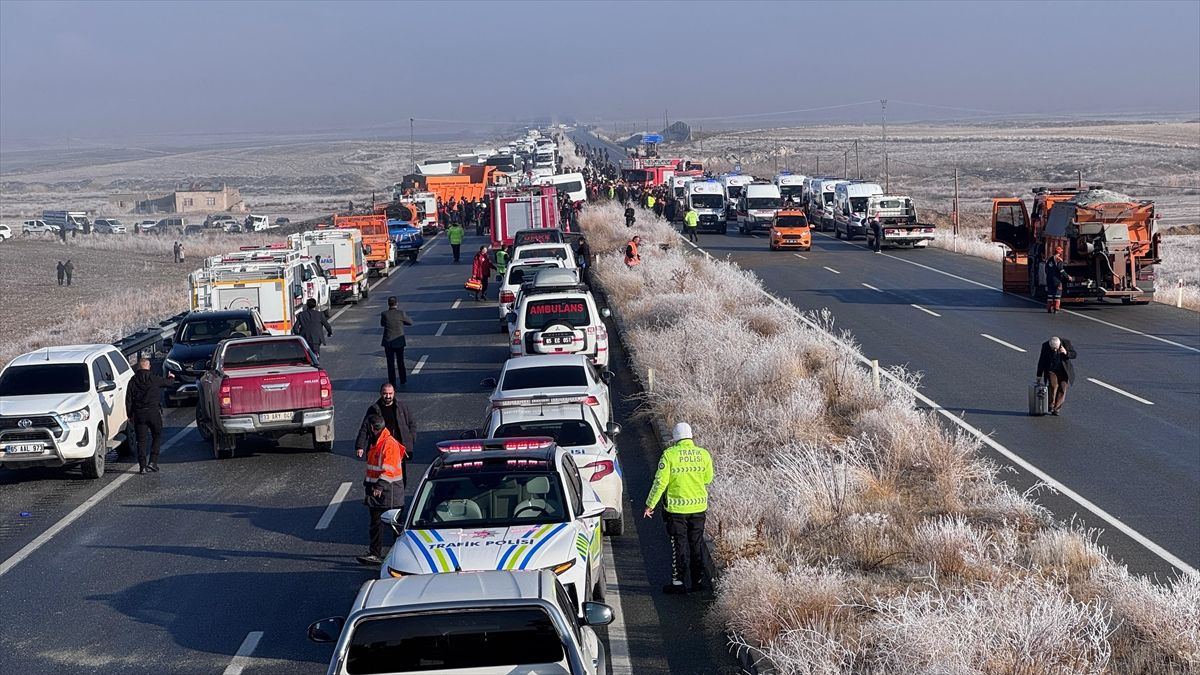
[115, 69]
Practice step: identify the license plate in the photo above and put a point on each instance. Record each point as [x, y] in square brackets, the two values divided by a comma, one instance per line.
[275, 417]
[24, 448]
[558, 339]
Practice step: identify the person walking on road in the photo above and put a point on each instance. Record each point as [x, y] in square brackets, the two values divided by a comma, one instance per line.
[877, 235]
[691, 223]
[1055, 274]
[1054, 365]
[396, 417]
[145, 416]
[311, 324]
[684, 472]
[62, 272]
[69, 269]
[393, 320]
[632, 257]
[629, 216]
[454, 235]
[481, 269]
[383, 484]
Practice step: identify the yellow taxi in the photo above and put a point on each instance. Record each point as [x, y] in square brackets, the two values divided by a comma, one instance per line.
[790, 230]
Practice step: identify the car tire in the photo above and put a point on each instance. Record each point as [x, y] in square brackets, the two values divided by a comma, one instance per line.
[600, 588]
[613, 528]
[322, 446]
[93, 467]
[366, 291]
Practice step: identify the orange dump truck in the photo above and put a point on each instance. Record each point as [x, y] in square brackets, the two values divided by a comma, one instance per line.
[376, 241]
[471, 182]
[1109, 241]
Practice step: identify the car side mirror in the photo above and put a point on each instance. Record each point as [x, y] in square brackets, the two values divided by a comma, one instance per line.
[106, 385]
[392, 518]
[469, 434]
[606, 312]
[612, 429]
[307, 275]
[606, 376]
[488, 383]
[593, 509]
[328, 630]
[594, 614]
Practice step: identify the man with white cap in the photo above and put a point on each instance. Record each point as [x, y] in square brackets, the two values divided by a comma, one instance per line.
[684, 472]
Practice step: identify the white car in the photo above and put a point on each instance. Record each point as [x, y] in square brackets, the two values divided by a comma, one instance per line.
[576, 428]
[108, 226]
[471, 623]
[511, 504]
[38, 227]
[5, 232]
[63, 405]
[146, 226]
[566, 378]
[514, 276]
[551, 250]
[558, 315]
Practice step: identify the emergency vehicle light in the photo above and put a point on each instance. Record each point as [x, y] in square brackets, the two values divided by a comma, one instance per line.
[527, 443]
[460, 446]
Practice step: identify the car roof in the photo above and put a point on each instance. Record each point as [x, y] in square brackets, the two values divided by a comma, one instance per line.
[219, 314]
[461, 587]
[60, 354]
[543, 360]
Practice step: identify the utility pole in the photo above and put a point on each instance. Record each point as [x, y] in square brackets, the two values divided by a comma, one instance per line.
[846, 163]
[857, 166]
[818, 171]
[412, 153]
[883, 111]
[776, 156]
[1079, 183]
[954, 220]
[700, 137]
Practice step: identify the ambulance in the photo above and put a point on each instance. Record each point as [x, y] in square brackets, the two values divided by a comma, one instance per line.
[340, 254]
[316, 283]
[426, 218]
[273, 284]
[707, 197]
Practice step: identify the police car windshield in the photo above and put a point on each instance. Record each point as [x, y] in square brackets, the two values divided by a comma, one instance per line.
[488, 499]
[47, 378]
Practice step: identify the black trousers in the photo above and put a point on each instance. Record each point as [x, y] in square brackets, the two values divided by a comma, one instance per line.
[455, 249]
[376, 531]
[395, 361]
[149, 437]
[687, 546]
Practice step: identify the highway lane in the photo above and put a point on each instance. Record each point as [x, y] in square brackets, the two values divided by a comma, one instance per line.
[1139, 462]
[180, 571]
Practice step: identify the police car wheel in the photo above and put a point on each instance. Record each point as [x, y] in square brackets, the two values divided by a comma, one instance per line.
[600, 588]
[613, 528]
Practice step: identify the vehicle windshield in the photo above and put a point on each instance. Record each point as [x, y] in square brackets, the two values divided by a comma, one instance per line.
[566, 433]
[890, 204]
[549, 252]
[214, 330]
[636, 175]
[459, 639]
[261, 353]
[489, 499]
[734, 191]
[790, 190]
[542, 313]
[858, 204]
[545, 376]
[45, 378]
[707, 201]
[762, 202]
[828, 197]
[791, 221]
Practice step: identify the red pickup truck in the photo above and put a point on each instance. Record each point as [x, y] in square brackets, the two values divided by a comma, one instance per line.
[265, 385]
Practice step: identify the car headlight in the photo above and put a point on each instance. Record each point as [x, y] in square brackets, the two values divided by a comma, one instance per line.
[395, 573]
[172, 364]
[562, 567]
[81, 415]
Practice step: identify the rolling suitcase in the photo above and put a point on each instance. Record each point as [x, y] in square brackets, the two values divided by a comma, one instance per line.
[1039, 399]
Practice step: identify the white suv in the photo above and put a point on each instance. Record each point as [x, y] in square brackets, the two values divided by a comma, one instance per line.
[38, 227]
[558, 315]
[514, 277]
[5, 232]
[63, 405]
[108, 226]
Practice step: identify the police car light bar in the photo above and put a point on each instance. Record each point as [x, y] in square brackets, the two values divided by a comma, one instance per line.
[523, 443]
[542, 399]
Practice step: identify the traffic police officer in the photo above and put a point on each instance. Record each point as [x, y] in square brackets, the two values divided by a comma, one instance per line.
[684, 472]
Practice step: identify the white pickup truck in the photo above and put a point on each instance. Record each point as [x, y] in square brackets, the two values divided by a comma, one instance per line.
[898, 220]
[61, 406]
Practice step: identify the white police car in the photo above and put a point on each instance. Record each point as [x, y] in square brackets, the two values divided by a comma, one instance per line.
[505, 504]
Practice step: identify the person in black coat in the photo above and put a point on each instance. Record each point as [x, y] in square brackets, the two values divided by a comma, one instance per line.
[311, 325]
[1056, 272]
[393, 321]
[397, 418]
[145, 416]
[1054, 365]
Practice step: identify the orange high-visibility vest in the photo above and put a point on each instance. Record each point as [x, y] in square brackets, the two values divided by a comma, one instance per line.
[384, 459]
[631, 256]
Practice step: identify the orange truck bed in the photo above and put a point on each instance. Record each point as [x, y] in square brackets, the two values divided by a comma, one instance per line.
[375, 238]
[469, 183]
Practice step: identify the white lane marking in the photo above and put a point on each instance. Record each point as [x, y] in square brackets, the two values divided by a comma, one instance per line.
[83, 508]
[1002, 342]
[242, 658]
[757, 236]
[339, 496]
[872, 288]
[441, 329]
[927, 311]
[618, 640]
[420, 364]
[1013, 457]
[456, 304]
[1122, 392]
[831, 270]
[1031, 300]
[800, 256]
[695, 246]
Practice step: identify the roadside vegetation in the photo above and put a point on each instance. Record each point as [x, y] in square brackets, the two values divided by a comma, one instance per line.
[858, 534]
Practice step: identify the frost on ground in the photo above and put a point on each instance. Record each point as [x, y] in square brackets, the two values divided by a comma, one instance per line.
[858, 534]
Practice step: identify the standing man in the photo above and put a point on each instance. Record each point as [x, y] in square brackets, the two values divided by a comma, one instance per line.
[69, 268]
[1054, 364]
[632, 257]
[629, 216]
[1055, 273]
[62, 272]
[175, 251]
[454, 235]
[309, 325]
[393, 320]
[691, 223]
[877, 233]
[481, 269]
[684, 472]
[145, 416]
[396, 417]
[384, 483]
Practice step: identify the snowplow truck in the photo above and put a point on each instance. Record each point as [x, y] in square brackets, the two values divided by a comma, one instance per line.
[1110, 243]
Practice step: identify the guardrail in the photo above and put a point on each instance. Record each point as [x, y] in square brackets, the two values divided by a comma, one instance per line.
[150, 337]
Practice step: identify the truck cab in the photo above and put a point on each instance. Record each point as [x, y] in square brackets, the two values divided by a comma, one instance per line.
[850, 208]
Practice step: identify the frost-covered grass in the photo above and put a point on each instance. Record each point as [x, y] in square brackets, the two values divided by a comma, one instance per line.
[859, 534]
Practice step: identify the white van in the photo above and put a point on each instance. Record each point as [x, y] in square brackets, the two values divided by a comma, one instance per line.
[678, 186]
[570, 183]
[757, 209]
[791, 187]
[708, 198]
[734, 184]
[820, 211]
[850, 208]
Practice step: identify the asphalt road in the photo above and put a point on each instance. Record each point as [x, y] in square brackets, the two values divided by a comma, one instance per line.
[219, 566]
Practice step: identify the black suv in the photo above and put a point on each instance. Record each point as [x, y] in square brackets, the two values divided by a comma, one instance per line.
[196, 338]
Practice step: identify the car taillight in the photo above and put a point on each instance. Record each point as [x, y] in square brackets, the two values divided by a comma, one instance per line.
[516, 337]
[590, 400]
[601, 469]
[507, 296]
[226, 399]
[326, 390]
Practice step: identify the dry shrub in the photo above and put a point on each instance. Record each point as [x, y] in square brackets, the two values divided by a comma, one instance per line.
[949, 545]
[1069, 554]
[1157, 626]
